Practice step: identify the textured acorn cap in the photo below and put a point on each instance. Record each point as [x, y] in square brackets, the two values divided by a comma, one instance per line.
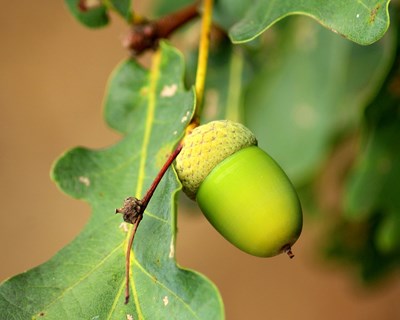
[206, 147]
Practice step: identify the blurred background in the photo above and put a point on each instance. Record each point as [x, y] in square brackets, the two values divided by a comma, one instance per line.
[53, 74]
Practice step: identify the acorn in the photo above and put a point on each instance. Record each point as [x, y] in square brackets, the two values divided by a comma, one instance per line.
[240, 189]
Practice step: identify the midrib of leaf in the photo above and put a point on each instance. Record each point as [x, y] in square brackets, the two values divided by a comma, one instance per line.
[154, 77]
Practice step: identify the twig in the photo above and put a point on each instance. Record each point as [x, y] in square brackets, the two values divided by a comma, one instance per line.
[128, 257]
[133, 210]
[203, 59]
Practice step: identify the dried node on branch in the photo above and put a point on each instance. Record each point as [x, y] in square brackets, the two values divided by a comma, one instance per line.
[131, 210]
[146, 34]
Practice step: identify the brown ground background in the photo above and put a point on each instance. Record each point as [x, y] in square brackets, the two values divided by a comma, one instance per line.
[52, 77]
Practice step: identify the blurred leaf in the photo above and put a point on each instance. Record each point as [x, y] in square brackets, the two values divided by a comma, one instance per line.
[96, 15]
[311, 86]
[227, 75]
[363, 22]
[371, 197]
[122, 7]
[228, 12]
[388, 234]
[85, 280]
[375, 181]
[354, 243]
[162, 7]
[93, 17]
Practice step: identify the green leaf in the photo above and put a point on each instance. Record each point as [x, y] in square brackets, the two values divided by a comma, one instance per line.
[355, 243]
[162, 7]
[375, 180]
[122, 7]
[228, 12]
[363, 22]
[85, 280]
[310, 86]
[388, 233]
[93, 17]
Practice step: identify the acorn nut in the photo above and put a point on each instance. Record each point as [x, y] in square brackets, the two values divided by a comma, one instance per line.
[240, 189]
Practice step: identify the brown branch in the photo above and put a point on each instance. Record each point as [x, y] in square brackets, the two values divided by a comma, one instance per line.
[128, 257]
[146, 35]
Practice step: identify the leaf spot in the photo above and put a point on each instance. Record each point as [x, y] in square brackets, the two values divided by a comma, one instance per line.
[169, 91]
[124, 227]
[84, 180]
[171, 250]
[89, 4]
[358, 15]
[129, 317]
[373, 13]
[185, 117]
[165, 300]
[175, 133]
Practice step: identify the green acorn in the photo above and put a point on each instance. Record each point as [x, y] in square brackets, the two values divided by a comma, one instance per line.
[240, 189]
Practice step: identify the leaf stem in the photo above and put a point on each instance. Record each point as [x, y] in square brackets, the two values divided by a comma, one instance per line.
[128, 257]
[204, 46]
[133, 210]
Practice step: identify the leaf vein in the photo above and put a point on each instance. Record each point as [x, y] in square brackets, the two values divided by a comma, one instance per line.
[154, 77]
[152, 215]
[11, 303]
[166, 288]
[101, 262]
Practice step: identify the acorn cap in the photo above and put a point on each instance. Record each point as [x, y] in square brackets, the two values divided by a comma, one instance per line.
[206, 147]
